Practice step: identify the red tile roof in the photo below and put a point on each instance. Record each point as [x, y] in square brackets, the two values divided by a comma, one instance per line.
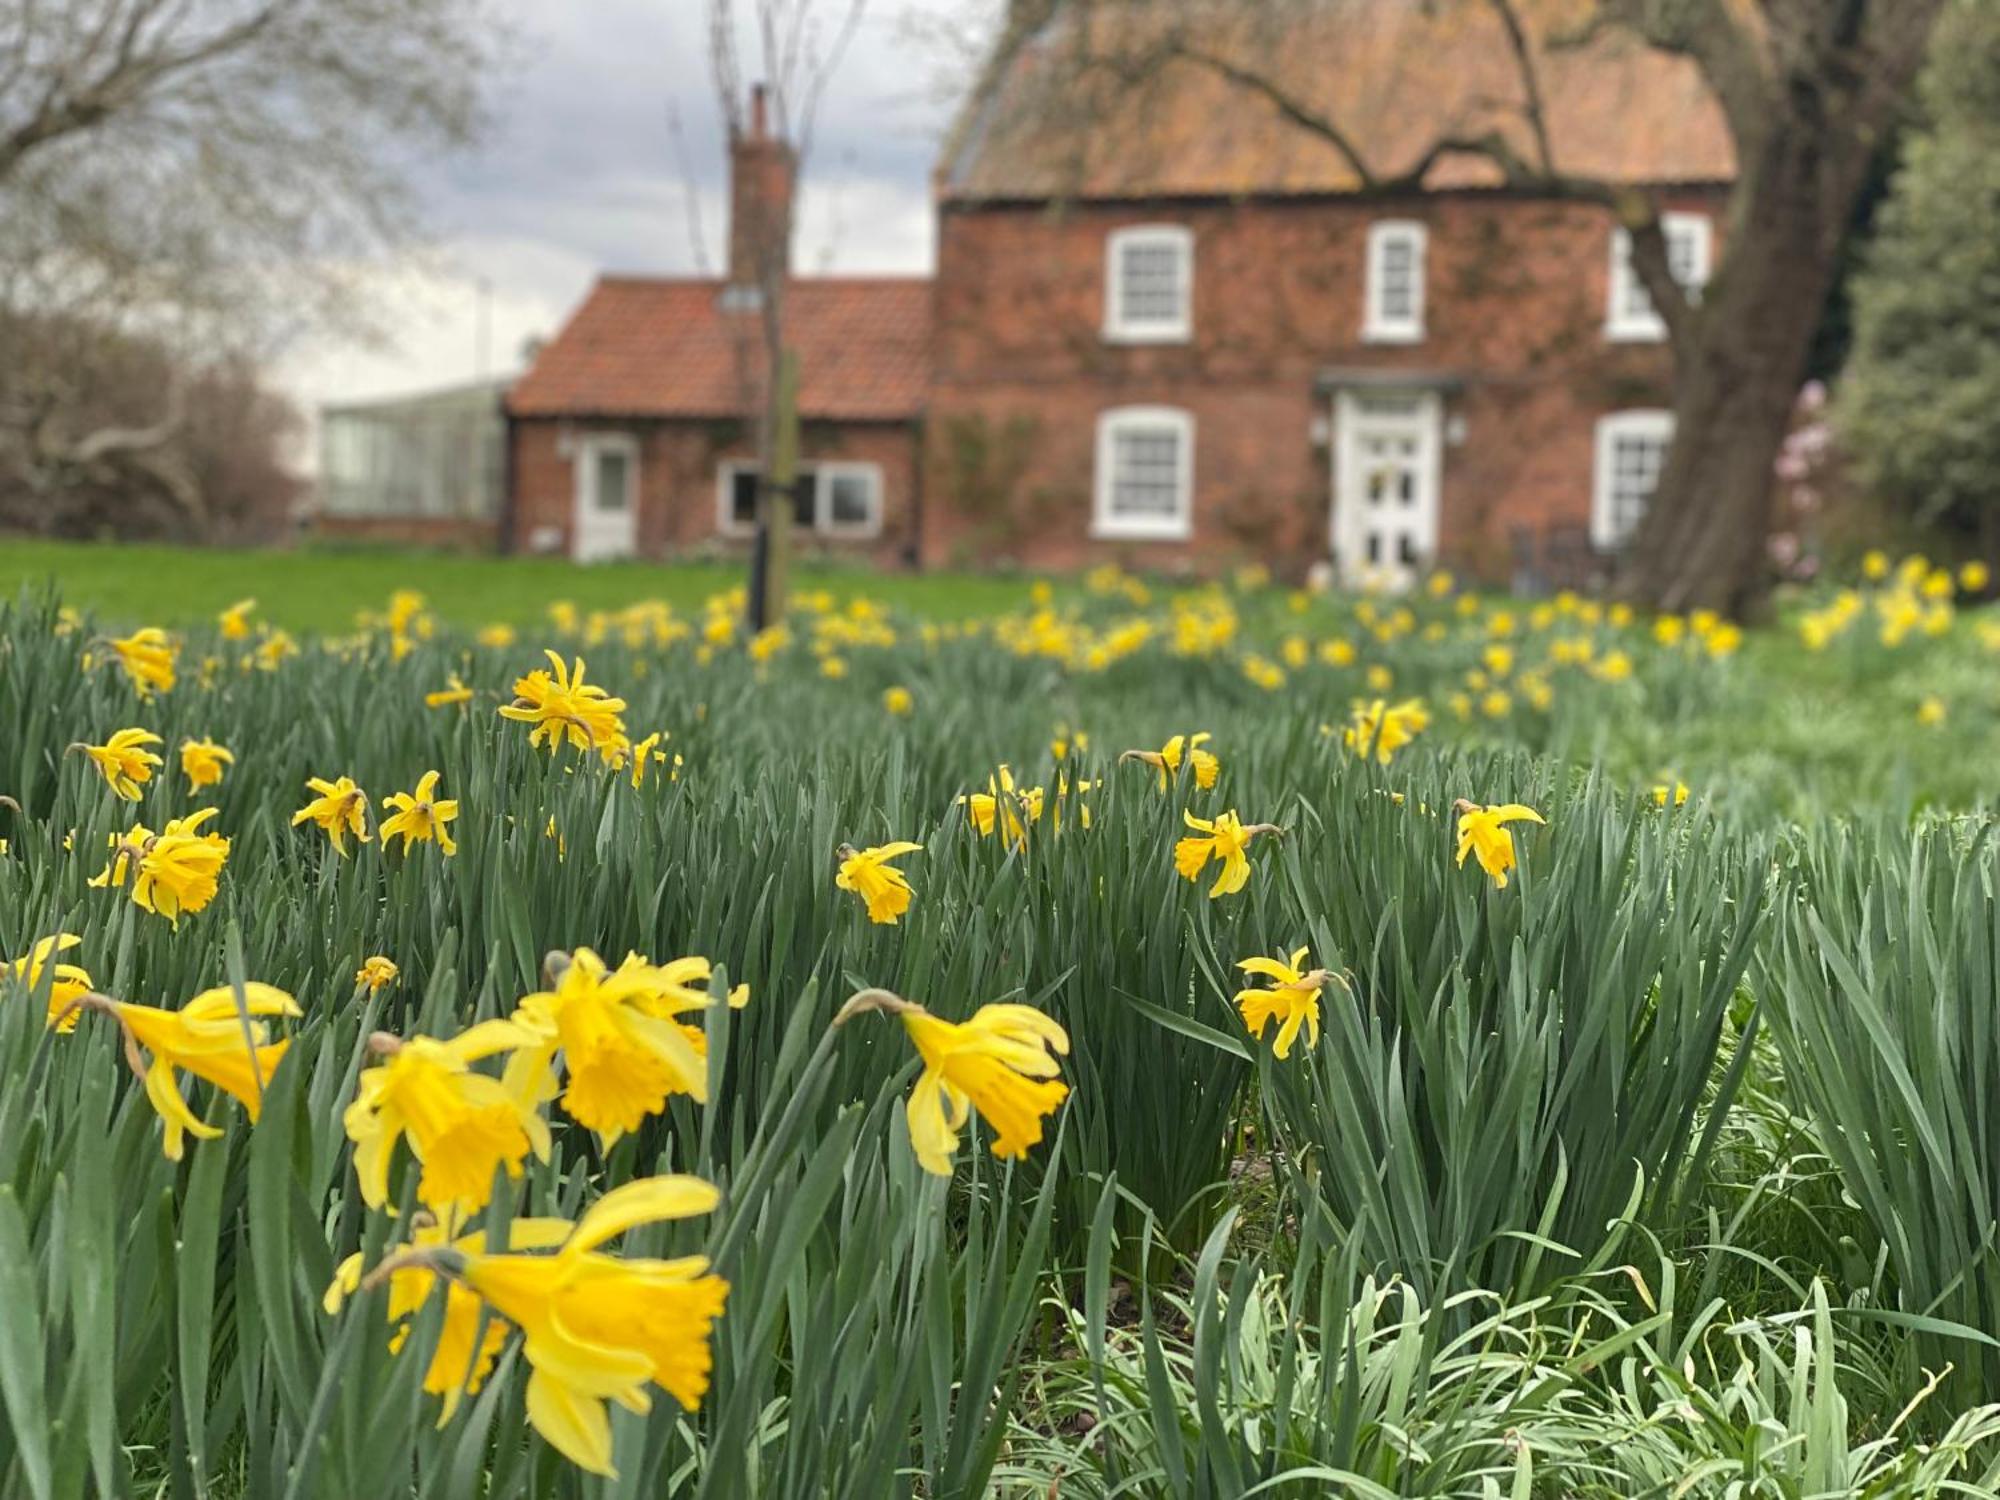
[1394, 75]
[649, 347]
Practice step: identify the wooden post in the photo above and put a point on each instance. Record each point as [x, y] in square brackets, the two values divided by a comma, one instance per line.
[783, 487]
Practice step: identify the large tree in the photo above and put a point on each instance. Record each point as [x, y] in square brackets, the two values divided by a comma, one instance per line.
[1916, 406]
[198, 178]
[1808, 89]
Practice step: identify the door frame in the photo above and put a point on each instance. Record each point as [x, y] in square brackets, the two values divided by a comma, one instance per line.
[584, 493]
[1426, 425]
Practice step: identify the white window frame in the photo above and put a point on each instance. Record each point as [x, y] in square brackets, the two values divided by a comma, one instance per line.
[729, 469]
[823, 522]
[1653, 424]
[1621, 323]
[1377, 326]
[1106, 523]
[1118, 329]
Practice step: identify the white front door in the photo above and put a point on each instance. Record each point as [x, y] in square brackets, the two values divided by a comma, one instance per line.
[1387, 452]
[607, 498]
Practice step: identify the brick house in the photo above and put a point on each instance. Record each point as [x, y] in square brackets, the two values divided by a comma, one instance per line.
[1170, 329]
[634, 432]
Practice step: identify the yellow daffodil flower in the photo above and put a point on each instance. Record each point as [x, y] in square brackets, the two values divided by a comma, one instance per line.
[208, 1037]
[235, 620]
[340, 808]
[898, 701]
[420, 816]
[1226, 840]
[203, 762]
[173, 871]
[67, 983]
[276, 647]
[375, 972]
[496, 637]
[148, 659]
[1292, 999]
[1482, 831]
[624, 1047]
[883, 888]
[457, 1368]
[1380, 729]
[125, 762]
[562, 706]
[454, 691]
[1676, 793]
[1002, 806]
[596, 1327]
[1931, 712]
[462, 1125]
[1002, 1062]
[1973, 577]
[1167, 759]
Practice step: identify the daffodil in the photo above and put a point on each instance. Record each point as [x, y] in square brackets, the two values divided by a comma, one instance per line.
[148, 659]
[67, 982]
[624, 1048]
[1002, 1062]
[203, 762]
[596, 1327]
[209, 1037]
[1676, 793]
[883, 888]
[1483, 831]
[235, 620]
[562, 706]
[340, 808]
[1225, 839]
[898, 701]
[419, 817]
[173, 871]
[1167, 759]
[124, 761]
[1380, 728]
[453, 692]
[1292, 999]
[643, 754]
[462, 1125]
[1004, 807]
[1931, 712]
[375, 972]
[463, 1358]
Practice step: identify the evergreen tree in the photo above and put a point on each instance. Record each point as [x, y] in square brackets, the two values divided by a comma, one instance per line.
[1919, 408]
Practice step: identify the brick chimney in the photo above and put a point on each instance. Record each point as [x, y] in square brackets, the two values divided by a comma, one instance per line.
[761, 173]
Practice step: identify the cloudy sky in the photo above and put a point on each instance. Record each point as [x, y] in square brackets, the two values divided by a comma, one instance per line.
[585, 172]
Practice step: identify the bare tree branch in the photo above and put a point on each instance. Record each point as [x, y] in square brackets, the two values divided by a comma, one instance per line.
[1531, 84]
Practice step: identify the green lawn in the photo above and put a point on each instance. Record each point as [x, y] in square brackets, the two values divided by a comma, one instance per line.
[320, 589]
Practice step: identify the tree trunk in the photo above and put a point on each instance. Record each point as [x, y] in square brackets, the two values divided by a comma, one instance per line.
[1739, 365]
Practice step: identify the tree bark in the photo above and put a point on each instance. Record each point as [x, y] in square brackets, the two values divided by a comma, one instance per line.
[1740, 360]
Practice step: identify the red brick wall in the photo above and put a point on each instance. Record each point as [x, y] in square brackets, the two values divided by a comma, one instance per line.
[1515, 315]
[678, 466]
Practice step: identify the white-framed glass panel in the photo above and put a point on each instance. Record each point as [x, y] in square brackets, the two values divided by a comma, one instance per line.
[1631, 315]
[832, 499]
[1394, 304]
[850, 499]
[1631, 455]
[1144, 487]
[1149, 285]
